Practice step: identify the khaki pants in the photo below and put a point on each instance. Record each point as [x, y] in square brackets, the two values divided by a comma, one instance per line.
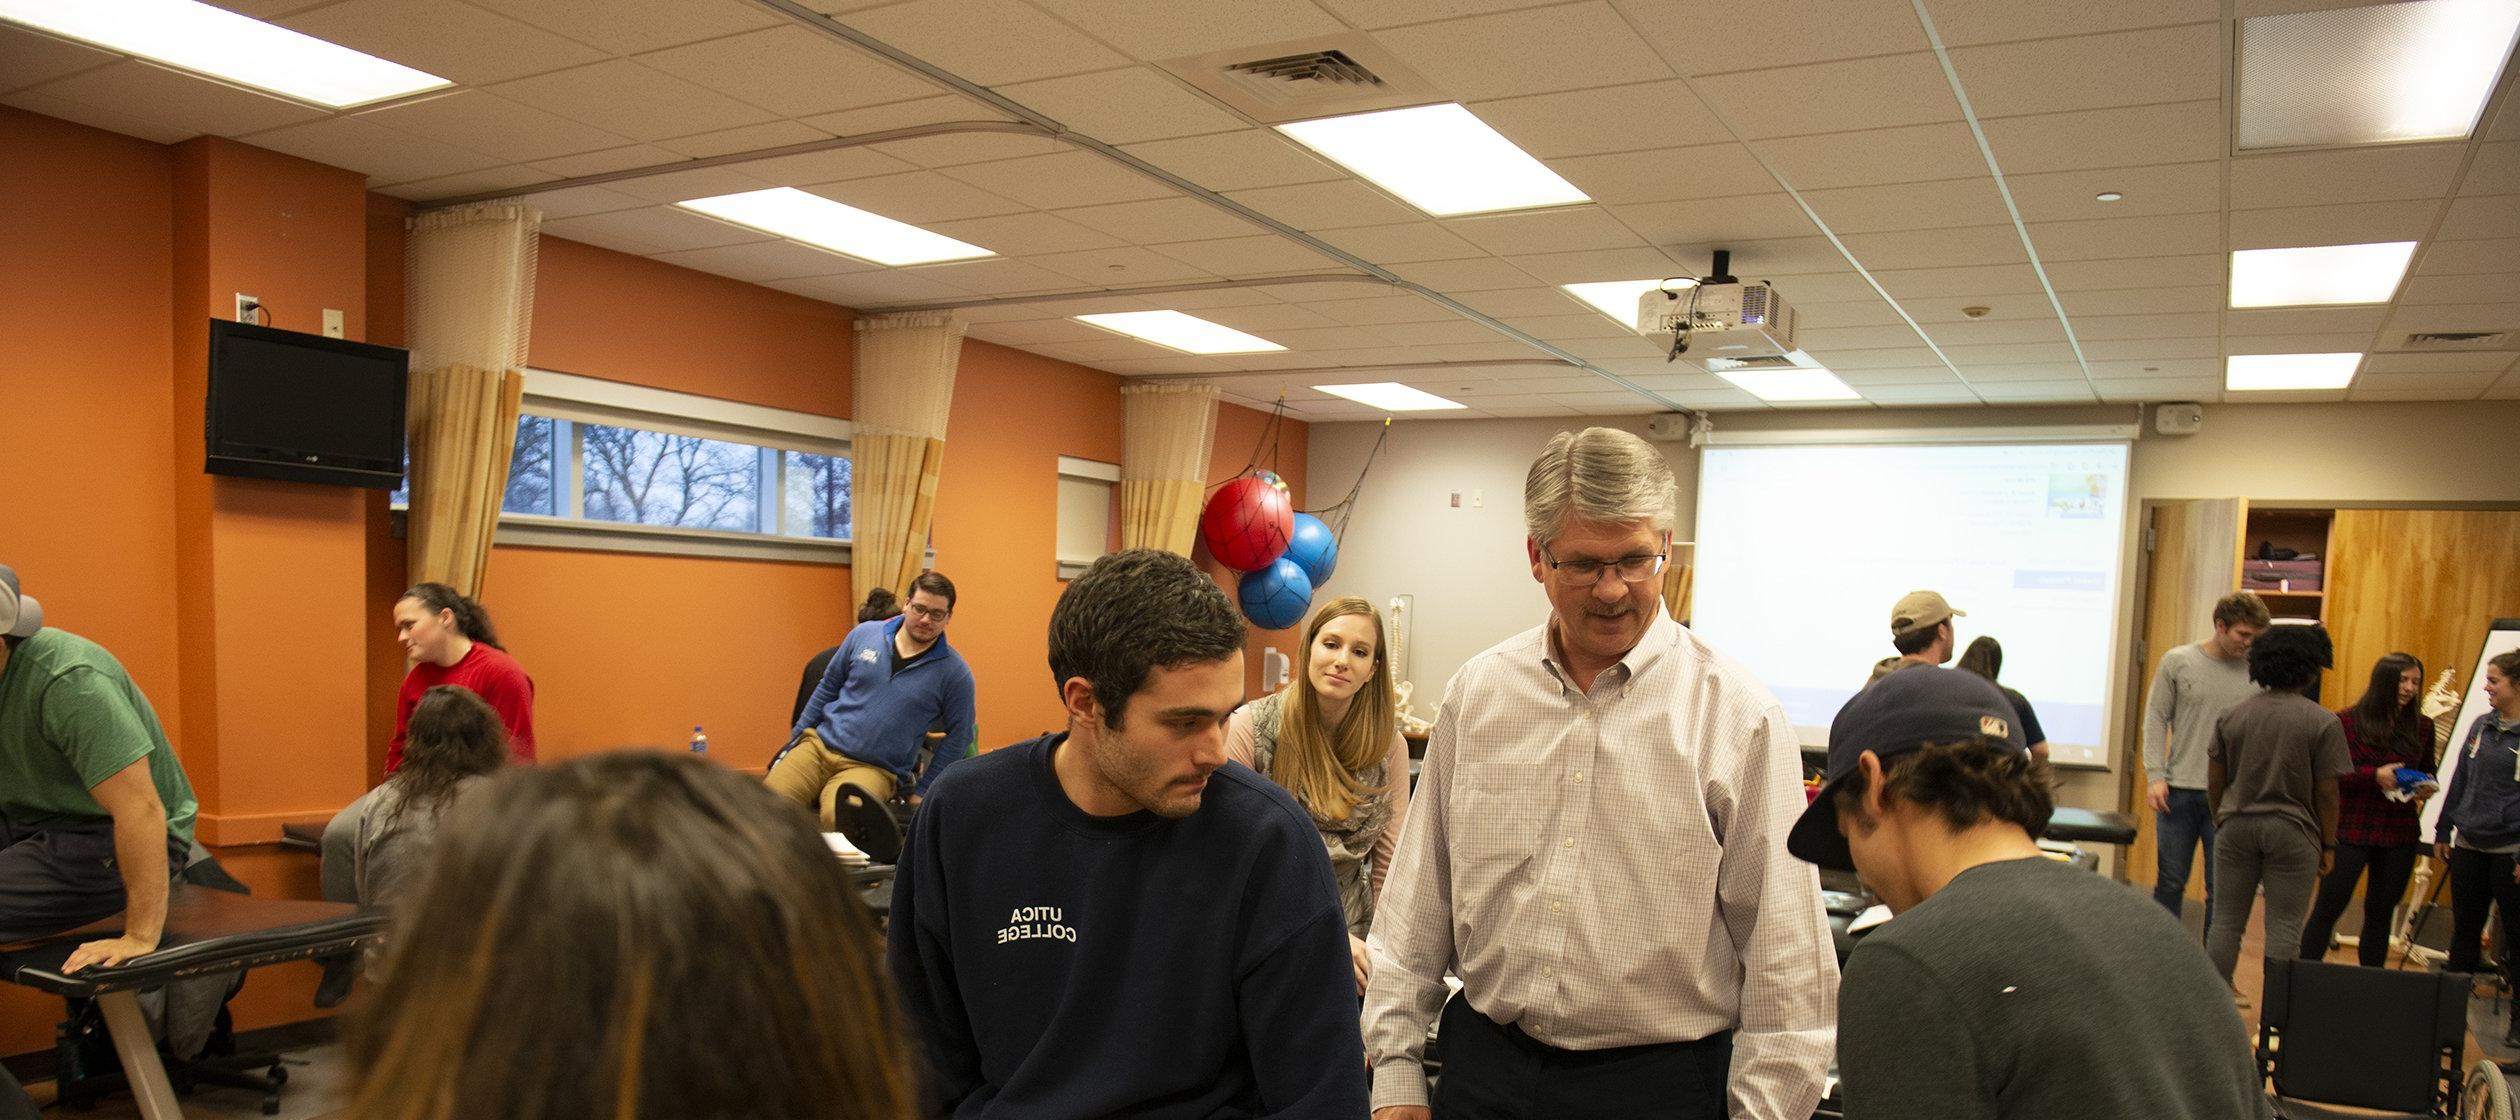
[811, 775]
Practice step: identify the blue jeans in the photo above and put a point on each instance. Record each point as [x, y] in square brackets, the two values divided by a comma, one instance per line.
[2177, 833]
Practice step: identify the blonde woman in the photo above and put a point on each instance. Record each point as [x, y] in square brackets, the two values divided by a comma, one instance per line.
[1332, 738]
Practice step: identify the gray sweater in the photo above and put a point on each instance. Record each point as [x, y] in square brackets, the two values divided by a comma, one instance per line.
[2031, 988]
[2190, 693]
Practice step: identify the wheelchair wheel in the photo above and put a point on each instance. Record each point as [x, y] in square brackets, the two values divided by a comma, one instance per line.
[2487, 1096]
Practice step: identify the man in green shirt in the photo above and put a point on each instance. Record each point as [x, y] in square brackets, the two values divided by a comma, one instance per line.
[95, 812]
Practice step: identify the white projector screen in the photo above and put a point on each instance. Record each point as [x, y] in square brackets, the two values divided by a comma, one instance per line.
[1802, 550]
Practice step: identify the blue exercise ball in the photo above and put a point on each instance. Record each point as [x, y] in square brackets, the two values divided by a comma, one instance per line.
[1274, 597]
[1312, 545]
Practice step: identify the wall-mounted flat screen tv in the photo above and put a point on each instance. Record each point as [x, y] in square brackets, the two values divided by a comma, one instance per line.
[304, 408]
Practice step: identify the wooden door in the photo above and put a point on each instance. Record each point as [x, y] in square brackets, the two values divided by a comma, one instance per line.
[2419, 581]
[2193, 553]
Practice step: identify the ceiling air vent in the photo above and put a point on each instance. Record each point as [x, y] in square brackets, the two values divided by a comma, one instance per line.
[2457, 340]
[1305, 79]
[1762, 361]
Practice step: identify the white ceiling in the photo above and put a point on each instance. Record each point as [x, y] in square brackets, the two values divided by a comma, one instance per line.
[1824, 142]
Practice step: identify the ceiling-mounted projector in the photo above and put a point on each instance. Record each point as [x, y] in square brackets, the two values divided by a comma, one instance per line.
[1718, 317]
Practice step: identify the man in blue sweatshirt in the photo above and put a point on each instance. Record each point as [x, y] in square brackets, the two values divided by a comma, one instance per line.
[892, 680]
[1114, 920]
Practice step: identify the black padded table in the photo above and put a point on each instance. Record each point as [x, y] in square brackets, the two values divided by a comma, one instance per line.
[2096, 826]
[207, 932]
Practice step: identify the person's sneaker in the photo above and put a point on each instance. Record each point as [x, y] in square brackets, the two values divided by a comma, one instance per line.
[340, 972]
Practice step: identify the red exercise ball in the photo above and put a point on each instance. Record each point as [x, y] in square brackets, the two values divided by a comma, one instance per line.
[1246, 523]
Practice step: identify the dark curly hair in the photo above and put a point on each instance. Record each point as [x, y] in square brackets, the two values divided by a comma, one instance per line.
[1965, 782]
[2289, 657]
[1132, 612]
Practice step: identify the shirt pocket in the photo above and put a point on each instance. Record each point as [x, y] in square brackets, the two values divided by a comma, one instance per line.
[1499, 818]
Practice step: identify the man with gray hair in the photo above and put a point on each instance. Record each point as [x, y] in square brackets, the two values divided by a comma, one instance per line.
[1597, 849]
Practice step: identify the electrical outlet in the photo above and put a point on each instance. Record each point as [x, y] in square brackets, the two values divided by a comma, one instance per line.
[246, 307]
[332, 322]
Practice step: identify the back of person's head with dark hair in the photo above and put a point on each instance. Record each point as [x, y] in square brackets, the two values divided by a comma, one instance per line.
[637, 935]
[453, 735]
[880, 603]
[2241, 607]
[2288, 657]
[1964, 782]
[934, 583]
[1917, 641]
[1984, 657]
[1131, 613]
[470, 620]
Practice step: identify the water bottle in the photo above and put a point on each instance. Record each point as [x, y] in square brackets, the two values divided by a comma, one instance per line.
[699, 740]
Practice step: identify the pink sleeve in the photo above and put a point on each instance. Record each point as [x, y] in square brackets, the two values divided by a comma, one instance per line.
[1397, 772]
[1240, 739]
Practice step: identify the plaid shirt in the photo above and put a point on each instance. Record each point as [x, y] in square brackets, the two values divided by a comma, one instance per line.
[2365, 815]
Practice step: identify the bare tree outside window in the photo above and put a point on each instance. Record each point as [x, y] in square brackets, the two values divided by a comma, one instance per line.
[817, 495]
[654, 478]
[530, 486]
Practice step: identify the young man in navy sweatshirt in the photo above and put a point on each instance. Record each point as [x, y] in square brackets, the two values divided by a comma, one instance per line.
[1113, 920]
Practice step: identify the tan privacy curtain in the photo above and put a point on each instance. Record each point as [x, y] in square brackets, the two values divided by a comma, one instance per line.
[471, 309]
[905, 389]
[1165, 435]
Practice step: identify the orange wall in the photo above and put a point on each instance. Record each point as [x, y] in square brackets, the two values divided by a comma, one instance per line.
[623, 318]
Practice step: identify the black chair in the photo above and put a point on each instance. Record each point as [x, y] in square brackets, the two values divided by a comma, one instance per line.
[2367, 1038]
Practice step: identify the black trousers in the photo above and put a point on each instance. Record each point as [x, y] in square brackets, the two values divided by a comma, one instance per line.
[1494, 1071]
[2478, 881]
[2390, 868]
[56, 877]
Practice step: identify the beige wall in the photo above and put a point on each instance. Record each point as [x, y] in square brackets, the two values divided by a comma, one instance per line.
[1472, 587]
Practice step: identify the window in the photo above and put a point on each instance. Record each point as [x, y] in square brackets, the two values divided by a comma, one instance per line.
[608, 466]
[1089, 513]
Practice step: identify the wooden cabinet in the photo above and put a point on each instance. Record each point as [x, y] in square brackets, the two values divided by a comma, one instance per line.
[2284, 557]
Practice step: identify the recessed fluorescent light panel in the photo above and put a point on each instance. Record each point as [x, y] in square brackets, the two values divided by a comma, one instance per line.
[2318, 274]
[1391, 396]
[2258, 372]
[1790, 384]
[222, 44]
[824, 224]
[1438, 158]
[1617, 298]
[2386, 73]
[1186, 333]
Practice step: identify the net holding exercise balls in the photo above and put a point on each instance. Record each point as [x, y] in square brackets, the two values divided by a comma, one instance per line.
[1246, 524]
[1275, 597]
[1313, 546]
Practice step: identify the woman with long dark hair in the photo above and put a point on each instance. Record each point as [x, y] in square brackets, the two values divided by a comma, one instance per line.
[1332, 738]
[455, 741]
[2384, 731]
[448, 638]
[1985, 657]
[641, 936]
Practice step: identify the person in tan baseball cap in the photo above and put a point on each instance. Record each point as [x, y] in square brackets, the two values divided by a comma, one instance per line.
[1920, 628]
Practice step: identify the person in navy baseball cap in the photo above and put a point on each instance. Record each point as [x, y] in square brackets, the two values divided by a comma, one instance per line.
[1902, 712]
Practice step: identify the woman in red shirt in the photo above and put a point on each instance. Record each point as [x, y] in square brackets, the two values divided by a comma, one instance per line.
[449, 640]
[2384, 731]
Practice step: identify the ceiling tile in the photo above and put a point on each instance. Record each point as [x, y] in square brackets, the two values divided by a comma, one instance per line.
[1613, 403]
[1991, 332]
[1333, 205]
[1063, 179]
[1908, 206]
[2192, 270]
[574, 201]
[1248, 256]
[996, 276]
[1883, 155]
[2332, 225]
[28, 58]
[2355, 341]
[879, 288]
[1970, 22]
[607, 160]
[918, 197]
[493, 125]
[1717, 220]
[632, 26]
[1161, 219]
[97, 116]
[791, 71]
[2493, 287]
[2363, 391]
[1270, 317]
[1127, 265]
[2108, 238]
[1640, 117]
[1833, 339]
[677, 186]
[2168, 188]
[382, 154]
[1584, 266]
[1895, 357]
[2197, 324]
[2455, 385]
[1253, 157]
[2460, 258]
[1153, 29]
[1386, 309]
[760, 261]
[1036, 331]
[1785, 33]
[1938, 248]
[1918, 375]
[829, 166]
[2007, 354]
[2492, 362]
[1558, 328]
[1020, 43]
[2041, 392]
[2381, 174]
[2306, 320]
[1571, 228]
[2491, 215]
[904, 114]
[2451, 317]
[489, 179]
[1778, 256]
[1853, 313]
[1125, 106]
[1402, 243]
[1572, 46]
[2150, 389]
[956, 148]
[1883, 92]
[1477, 274]
[1922, 394]
[631, 100]
[2009, 308]
[456, 41]
[175, 100]
[663, 228]
[2093, 71]
[1703, 171]
[2203, 299]
[1522, 301]
[2167, 369]
[1972, 283]
[2131, 136]
[2495, 171]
